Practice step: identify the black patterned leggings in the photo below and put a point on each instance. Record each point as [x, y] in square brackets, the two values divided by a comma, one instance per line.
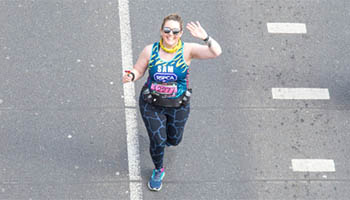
[165, 126]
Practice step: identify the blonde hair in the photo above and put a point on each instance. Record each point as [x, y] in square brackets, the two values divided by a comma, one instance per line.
[174, 17]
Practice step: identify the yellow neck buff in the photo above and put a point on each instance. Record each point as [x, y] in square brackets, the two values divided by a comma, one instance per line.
[173, 50]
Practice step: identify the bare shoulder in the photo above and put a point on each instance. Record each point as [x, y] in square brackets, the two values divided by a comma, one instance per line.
[143, 59]
[148, 49]
[146, 52]
[188, 47]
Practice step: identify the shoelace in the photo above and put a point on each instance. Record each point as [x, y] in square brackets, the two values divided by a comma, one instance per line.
[157, 175]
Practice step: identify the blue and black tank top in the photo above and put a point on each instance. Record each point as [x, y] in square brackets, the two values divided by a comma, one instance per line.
[167, 78]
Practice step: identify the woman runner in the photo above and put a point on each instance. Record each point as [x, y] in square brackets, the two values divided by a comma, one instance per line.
[164, 99]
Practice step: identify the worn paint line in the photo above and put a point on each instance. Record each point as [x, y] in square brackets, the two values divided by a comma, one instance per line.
[313, 165]
[301, 93]
[290, 28]
[135, 183]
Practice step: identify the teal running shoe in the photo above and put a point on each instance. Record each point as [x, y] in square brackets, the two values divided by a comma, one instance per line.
[155, 182]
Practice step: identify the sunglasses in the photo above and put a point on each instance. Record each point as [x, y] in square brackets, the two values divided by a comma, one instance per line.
[175, 31]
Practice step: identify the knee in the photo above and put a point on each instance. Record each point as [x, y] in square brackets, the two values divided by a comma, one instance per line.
[172, 142]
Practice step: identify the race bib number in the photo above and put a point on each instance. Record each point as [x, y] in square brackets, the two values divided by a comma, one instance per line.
[164, 89]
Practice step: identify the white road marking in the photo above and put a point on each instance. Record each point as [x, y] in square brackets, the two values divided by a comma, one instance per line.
[313, 165]
[301, 93]
[296, 28]
[135, 183]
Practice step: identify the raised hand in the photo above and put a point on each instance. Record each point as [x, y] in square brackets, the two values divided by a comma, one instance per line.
[197, 30]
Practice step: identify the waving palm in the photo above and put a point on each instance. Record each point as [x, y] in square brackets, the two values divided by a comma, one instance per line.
[197, 30]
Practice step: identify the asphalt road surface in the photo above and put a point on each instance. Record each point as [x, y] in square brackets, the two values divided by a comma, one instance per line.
[63, 131]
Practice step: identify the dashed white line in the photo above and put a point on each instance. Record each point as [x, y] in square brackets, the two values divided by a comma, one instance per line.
[130, 102]
[313, 165]
[301, 93]
[291, 28]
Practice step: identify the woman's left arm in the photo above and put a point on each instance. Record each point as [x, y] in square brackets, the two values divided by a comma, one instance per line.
[212, 48]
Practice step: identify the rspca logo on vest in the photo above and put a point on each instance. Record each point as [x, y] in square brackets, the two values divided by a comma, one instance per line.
[165, 77]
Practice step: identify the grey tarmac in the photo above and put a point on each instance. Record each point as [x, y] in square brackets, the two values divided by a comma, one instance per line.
[62, 111]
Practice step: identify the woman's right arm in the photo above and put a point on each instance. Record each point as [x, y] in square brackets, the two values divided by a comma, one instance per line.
[140, 67]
